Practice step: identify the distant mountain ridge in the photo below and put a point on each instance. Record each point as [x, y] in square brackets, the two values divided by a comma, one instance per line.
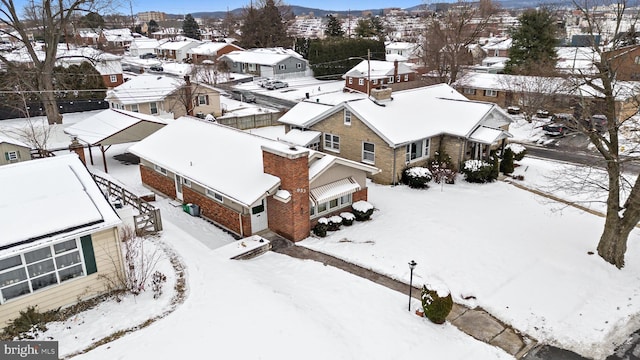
[301, 10]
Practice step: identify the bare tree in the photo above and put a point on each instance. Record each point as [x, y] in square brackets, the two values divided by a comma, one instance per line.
[52, 19]
[623, 197]
[533, 93]
[449, 35]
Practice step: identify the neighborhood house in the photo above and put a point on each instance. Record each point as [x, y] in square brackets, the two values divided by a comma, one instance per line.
[247, 183]
[395, 132]
[63, 245]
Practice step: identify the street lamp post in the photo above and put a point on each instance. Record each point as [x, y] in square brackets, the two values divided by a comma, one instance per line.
[412, 265]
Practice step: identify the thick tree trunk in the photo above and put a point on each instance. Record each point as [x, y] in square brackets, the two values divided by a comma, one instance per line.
[613, 242]
[48, 96]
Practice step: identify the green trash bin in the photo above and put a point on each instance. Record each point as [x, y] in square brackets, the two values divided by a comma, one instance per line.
[186, 207]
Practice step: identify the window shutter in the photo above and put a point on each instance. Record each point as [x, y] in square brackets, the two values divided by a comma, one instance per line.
[206, 97]
[6, 156]
[89, 256]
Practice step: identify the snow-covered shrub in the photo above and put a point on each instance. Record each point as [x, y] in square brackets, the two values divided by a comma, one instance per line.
[506, 165]
[321, 227]
[416, 177]
[478, 171]
[29, 324]
[441, 168]
[519, 151]
[437, 304]
[347, 218]
[334, 223]
[362, 210]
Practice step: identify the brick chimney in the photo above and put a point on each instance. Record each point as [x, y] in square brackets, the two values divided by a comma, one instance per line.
[381, 94]
[78, 148]
[395, 70]
[289, 219]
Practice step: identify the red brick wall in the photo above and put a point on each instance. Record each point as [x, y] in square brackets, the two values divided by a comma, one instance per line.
[158, 181]
[218, 213]
[290, 220]
[360, 195]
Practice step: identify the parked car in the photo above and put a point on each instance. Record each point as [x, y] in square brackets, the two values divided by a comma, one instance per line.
[276, 84]
[543, 114]
[598, 122]
[148, 56]
[513, 110]
[243, 96]
[157, 68]
[556, 129]
[264, 82]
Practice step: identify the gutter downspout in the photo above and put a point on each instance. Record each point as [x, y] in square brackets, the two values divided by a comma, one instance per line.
[241, 225]
[394, 166]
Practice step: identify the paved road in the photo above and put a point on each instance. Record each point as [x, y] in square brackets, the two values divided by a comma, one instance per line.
[576, 156]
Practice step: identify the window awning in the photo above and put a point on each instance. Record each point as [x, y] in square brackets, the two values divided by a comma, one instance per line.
[334, 190]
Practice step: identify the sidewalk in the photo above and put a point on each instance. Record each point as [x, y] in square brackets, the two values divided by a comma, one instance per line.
[475, 322]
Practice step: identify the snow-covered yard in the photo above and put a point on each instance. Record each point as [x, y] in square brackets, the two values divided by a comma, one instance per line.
[524, 258]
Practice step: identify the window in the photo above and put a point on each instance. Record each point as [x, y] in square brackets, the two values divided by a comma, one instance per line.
[33, 270]
[492, 93]
[298, 65]
[417, 150]
[160, 169]
[214, 195]
[186, 182]
[347, 117]
[469, 91]
[332, 142]
[368, 153]
[153, 107]
[329, 206]
[282, 66]
[390, 79]
[361, 81]
[406, 77]
[203, 100]
[398, 78]
[375, 81]
[496, 52]
[636, 60]
[11, 156]
[350, 80]
[134, 107]
[113, 78]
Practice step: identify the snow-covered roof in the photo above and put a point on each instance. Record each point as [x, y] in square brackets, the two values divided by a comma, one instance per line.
[104, 63]
[376, 69]
[398, 45]
[70, 205]
[144, 43]
[177, 45]
[414, 114]
[10, 140]
[258, 57]
[210, 154]
[144, 88]
[503, 44]
[304, 110]
[118, 35]
[95, 129]
[209, 48]
[302, 138]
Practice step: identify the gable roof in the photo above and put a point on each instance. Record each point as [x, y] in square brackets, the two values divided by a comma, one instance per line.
[211, 48]
[144, 88]
[412, 114]
[98, 128]
[260, 57]
[70, 205]
[376, 69]
[223, 159]
[10, 140]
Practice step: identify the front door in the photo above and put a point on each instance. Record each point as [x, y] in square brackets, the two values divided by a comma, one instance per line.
[259, 219]
[179, 187]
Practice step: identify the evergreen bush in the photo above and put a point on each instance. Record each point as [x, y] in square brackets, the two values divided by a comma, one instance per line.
[436, 304]
[416, 177]
[442, 168]
[479, 171]
[321, 227]
[518, 150]
[362, 210]
[347, 218]
[334, 223]
[506, 165]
